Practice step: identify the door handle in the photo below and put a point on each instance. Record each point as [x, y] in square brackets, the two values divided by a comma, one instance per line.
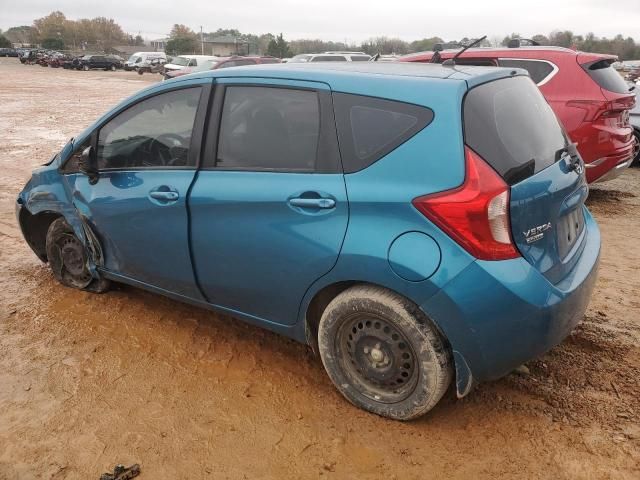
[166, 196]
[313, 202]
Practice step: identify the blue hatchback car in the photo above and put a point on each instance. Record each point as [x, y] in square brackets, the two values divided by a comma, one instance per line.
[414, 224]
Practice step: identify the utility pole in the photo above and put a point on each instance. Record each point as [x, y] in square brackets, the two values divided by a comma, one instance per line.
[201, 40]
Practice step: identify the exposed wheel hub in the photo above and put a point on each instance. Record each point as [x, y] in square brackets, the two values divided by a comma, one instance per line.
[72, 253]
[379, 357]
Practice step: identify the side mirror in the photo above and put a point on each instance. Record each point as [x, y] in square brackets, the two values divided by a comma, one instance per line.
[88, 164]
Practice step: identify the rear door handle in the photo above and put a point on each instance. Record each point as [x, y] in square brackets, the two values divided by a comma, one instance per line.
[313, 202]
[163, 195]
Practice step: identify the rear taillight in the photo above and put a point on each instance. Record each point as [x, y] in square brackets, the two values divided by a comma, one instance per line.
[595, 109]
[476, 214]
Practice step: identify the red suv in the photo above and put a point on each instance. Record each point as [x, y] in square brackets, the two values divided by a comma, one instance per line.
[587, 94]
[221, 62]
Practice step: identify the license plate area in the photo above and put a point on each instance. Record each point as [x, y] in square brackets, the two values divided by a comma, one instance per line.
[569, 230]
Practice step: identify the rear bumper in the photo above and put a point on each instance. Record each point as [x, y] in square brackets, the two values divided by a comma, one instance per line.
[607, 152]
[498, 315]
[609, 167]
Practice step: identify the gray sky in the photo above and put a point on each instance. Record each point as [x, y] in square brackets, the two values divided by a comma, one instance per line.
[349, 20]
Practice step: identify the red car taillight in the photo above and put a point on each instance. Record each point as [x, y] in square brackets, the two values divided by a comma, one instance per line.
[595, 109]
[476, 214]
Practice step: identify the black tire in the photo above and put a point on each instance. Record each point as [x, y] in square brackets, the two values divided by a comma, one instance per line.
[636, 149]
[383, 353]
[69, 259]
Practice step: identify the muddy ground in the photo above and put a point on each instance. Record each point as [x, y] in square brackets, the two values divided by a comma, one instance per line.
[87, 381]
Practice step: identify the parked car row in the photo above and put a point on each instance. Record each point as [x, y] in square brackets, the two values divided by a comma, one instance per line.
[214, 63]
[54, 59]
[588, 95]
[8, 52]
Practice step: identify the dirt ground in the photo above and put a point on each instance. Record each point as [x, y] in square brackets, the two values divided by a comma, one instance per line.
[88, 381]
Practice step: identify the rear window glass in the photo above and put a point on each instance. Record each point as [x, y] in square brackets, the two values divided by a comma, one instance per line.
[370, 128]
[605, 75]
[538, 70]
[512, 127]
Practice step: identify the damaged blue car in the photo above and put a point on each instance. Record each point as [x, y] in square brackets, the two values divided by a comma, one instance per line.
[419, 226]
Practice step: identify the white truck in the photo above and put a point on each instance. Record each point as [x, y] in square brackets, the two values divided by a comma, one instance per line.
[143, 58]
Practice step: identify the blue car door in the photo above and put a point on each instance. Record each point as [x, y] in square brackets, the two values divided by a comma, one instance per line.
[269, 207]
[147, 155]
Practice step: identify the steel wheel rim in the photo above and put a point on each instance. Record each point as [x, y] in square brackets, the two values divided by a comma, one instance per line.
[73, 261]
[378, 358]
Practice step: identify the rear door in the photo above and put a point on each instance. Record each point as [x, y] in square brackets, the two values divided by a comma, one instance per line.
[269, 207]
[512, 127]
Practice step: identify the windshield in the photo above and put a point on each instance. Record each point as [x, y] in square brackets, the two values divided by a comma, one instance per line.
[300, 58]
[181, 61]
[203, 67]
[134, 59]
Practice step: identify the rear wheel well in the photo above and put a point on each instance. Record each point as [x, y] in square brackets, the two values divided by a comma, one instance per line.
[317, 307]
[323, 298]
[34, 228]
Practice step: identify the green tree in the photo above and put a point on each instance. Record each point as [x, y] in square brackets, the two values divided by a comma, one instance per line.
[541, 39]
[508, 38]
[562, 39]
[426, 44]
[21, 34]
[385, 46]
[4, 42]
[53, 43]
[279, 47]
[182, 40]
[181, 45]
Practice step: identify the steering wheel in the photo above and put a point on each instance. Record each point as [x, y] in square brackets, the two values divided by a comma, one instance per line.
[161, 148]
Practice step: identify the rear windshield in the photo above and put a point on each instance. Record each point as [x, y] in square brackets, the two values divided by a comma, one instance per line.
[605, 75]
[180, 61]
[512, 127]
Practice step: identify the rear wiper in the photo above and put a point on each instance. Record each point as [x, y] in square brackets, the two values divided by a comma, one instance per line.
[452, 61]
[571, 150]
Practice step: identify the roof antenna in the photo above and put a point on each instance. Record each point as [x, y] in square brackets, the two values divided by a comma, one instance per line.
[452, 61]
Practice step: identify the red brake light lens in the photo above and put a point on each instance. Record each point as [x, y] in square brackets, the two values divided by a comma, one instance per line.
[476, 214]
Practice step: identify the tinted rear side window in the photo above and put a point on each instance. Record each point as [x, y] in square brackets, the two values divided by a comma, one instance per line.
[512, 127]
[605, 75]
[538, 70]
[370, 128]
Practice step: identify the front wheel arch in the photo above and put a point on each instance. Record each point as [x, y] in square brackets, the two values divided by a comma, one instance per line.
[34, 229]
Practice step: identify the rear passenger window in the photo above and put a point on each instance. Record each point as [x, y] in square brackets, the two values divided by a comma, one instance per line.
[538, 70]
[370, 128]
[266, 128]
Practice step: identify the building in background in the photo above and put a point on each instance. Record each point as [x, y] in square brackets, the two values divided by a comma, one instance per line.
[227, 45]
[158, 45]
